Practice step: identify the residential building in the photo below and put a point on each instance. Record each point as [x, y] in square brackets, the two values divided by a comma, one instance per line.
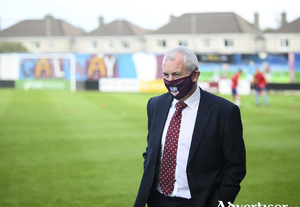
[43, 36]
[223, 32]
[286, 38]
[207, 33]
[118, 36]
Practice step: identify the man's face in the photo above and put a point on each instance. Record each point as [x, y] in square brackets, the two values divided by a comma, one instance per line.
[174, 69]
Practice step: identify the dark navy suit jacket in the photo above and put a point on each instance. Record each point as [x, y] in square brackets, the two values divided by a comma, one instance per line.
[217, 160]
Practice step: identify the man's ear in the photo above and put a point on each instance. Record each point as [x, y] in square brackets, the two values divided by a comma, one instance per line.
[195, 75]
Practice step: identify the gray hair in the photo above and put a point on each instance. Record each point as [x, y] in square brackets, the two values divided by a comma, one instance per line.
[190, 60]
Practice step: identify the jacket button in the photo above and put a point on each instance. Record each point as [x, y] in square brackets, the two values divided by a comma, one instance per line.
[154, 168]
[148, 189]
[189, 173]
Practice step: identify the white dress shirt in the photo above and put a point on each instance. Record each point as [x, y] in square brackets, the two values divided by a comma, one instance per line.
[181, 187]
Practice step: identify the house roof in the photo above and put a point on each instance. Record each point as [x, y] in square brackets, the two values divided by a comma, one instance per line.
[207, 23]
[292, 27]
[44, 27]
[118, 28]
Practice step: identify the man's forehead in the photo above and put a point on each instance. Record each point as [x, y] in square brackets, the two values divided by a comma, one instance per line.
[175, 56]
[172, 68]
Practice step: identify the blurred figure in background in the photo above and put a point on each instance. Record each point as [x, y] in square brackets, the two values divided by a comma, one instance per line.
[260, 88]
[235, 95]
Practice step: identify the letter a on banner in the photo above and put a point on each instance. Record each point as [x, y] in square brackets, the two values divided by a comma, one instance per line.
[42, 65]
[96, 65]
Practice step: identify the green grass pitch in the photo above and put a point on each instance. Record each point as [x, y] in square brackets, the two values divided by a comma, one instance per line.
[84, 149]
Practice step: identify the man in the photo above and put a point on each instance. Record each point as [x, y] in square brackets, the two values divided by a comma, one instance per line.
[260, 88]
[234, 83]
[204, 138]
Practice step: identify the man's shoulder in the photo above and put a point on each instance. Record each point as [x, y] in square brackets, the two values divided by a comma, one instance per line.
[161, 98]
[160, 101]
[216, 100]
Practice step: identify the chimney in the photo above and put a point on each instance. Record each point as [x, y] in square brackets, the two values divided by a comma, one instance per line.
[49, 16]
[172, 18]
[283, 18]
[48, 19]
[101, 21]
[256, 20]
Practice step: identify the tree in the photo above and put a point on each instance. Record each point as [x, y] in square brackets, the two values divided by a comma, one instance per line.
[268, 30]
[6, 47]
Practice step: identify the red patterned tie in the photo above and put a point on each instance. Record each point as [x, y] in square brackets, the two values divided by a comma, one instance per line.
[168, 165]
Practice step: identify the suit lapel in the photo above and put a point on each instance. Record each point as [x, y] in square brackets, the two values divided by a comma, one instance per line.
[159, 123]
[204, 112]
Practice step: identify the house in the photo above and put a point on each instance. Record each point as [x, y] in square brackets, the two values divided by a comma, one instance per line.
[43, 35]
[205, 33]
[118, 36]
[284, 39]
[222, 32]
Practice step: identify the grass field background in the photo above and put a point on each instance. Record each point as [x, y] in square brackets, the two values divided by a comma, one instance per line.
[84, 149]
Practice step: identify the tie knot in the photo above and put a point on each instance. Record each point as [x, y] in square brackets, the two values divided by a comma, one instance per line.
[180, 106]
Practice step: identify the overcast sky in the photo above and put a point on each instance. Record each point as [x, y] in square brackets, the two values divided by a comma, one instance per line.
[151, 14]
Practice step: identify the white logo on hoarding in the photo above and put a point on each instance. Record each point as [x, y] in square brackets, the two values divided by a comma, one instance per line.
[39, 85]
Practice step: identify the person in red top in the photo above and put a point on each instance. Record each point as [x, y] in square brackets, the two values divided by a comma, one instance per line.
[235, 95]
[260, 88]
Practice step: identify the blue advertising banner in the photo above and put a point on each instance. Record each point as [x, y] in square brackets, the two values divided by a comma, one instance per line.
[278, 68]
[297, 67]
[44, 67]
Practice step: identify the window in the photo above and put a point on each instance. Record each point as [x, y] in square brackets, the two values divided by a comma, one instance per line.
[36, 44]
[111, 44]
[228, 43]
[183, 43]
[205, 43]
[94, 44]
[51, 46]
[162, 43]
[73, 45]
[125, 44]
[284, 43]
